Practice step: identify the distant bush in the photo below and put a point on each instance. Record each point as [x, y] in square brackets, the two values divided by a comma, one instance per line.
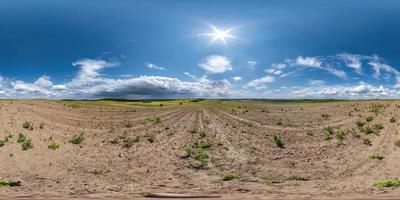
[2, 142]
[392, 120]
[369, 118]
[78, 138]
[277, 140]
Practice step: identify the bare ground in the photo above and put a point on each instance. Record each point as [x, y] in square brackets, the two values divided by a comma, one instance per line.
[238, 139]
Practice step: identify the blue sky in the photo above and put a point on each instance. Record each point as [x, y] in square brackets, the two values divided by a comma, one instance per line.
[165, 49]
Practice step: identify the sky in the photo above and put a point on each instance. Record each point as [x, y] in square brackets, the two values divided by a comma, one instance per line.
[92, 49]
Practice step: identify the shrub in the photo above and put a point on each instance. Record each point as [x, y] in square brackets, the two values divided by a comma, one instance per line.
[397, 142]
[277, 140]
[21, 138]
[279, 123]
[54, 146]
[41, 125]
[387, 183]
[367, 141]
[392, 120]
[78, 138]
[2, 142]
[27, 144]
[228, 176]
[376, 156]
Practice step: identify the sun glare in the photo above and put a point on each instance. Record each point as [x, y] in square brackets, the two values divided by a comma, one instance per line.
[220, 34]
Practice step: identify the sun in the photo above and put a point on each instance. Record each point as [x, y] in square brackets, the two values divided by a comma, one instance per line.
[220, 34]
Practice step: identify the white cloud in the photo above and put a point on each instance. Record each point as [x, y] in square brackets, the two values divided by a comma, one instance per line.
[316, 82]
[153, 66]
[352, 61]
[260, 83]
[190, 75]
[237, 78]
[252, 63]
[308, 62]
[216, 64]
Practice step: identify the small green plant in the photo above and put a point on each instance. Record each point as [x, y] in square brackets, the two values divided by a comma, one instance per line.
[27, 144]
[367, 130]
[228, 176]
[360, 124]
[54, 146]
[387, 183]
[27, 125]
[151, 137]
[41, 125]
[367, 141]
[115, 140]
[297, 178]
[4, 182]
[376, 156]
[155, 119]
[129, 124]
[340, 135]
[392, 120]
[21, 138]
[376, 108]
[2, 142]
[325, 115]
[268, 181]
[376, 128]
[369, 118]
[243, 130]
[277, 140]
[130, 142]
[78, 138]
[397, 142]
[328, 131]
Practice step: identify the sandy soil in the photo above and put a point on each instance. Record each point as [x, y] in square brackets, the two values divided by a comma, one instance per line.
[238, 138]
